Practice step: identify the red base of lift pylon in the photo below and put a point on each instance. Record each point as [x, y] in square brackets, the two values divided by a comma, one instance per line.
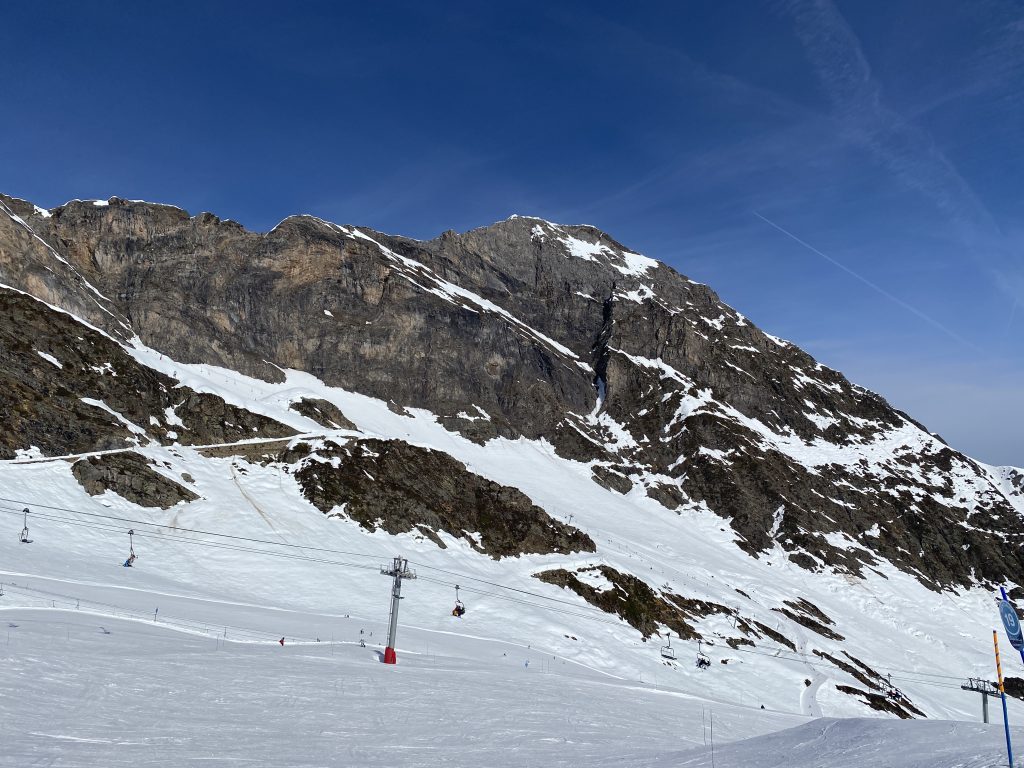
[389, 656]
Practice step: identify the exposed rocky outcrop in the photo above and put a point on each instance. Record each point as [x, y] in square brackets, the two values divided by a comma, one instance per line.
[131, 476]
[634, 601]
[398, 487]
[895, 705]
[881, 694]
[806, 614]
[611, 479]
[859, 671]
[325, 413]
[66, 388]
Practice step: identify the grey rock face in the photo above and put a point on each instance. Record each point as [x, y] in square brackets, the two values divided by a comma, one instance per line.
[131, 476]
[62, 387]
[323, 412]
[399, 487]
[527, 328]
[637, 603]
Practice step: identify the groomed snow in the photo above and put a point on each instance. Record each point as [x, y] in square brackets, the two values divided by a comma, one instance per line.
[93, 690]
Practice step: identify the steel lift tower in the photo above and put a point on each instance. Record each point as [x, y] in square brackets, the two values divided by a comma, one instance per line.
[986, 689]
[399, 570]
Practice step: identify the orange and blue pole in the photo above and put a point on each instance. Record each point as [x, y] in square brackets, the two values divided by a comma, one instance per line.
[1002, 694]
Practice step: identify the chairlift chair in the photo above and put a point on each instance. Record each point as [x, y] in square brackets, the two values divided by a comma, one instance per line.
[459, 608]
[23, 536]
[703, 661]
[667, 651]
[131, 550]
[891, 691]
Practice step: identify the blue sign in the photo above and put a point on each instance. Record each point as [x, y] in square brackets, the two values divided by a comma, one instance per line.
[1011, 624]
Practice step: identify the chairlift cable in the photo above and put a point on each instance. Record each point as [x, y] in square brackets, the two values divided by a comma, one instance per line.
[175, 531]
[164, 537]
[196, 530]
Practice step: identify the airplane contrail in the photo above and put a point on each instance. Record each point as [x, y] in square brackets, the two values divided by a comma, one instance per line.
[1013, 314]
[874, 286]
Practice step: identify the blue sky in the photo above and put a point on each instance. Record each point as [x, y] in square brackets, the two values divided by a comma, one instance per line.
[847, 174]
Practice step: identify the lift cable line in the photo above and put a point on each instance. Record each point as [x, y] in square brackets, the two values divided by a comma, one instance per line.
[822, 664]
[175, 534]
[195, 530]
[466, 577]
[179, 529]
[781, 655]
[170, 537]
[262, 635]
[174, 538]
[518, 601]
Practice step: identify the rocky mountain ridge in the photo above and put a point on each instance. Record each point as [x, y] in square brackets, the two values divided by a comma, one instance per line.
[523, 328]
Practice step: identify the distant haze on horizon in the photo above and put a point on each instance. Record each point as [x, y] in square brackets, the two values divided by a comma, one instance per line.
[845, 174]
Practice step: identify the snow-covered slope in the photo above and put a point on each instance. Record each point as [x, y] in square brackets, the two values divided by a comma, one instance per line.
[888, 620]
[104, 665]
[147, 694]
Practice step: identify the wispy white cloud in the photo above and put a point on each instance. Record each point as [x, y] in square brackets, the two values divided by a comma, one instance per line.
[872, 285]
[906, 150]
